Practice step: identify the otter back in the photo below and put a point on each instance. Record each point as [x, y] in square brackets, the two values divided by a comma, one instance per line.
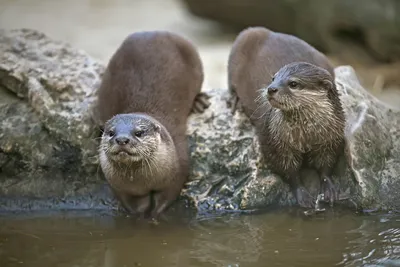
[158, 73]
[257, 54]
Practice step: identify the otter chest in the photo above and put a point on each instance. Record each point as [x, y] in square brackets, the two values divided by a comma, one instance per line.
[300, 135]
[131, 183]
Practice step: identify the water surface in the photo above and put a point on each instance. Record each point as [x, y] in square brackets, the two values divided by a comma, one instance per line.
[273, 239]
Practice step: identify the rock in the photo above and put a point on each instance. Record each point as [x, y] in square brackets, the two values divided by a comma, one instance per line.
[48, 144]
[373, 132]
[325, 24]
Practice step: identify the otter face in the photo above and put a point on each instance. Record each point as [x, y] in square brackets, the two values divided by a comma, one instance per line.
[299, 85]
[129, 138]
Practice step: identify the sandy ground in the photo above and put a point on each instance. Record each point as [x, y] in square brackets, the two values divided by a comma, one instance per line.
[99, 26]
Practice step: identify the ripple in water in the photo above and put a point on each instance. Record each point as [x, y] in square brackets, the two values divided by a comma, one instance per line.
[378, 244]
[273, 239]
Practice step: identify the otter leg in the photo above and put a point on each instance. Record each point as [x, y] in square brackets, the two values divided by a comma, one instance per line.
[288, 163]
[234, 101]
[135, 204]
[142, 204]
[303, 197]
[201, 102]
[162, 200]
[327, 186]
[323, 159]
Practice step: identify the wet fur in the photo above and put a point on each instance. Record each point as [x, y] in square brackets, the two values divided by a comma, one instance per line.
[308, 127]
[158, 157]
[256, 55]
[157, 75]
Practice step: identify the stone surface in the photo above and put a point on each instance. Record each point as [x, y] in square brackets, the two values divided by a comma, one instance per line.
[325, 24]
[47, 147]
[48, 144]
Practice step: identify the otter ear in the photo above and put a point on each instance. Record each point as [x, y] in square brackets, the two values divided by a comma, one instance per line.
[327, 84]
[157, 128]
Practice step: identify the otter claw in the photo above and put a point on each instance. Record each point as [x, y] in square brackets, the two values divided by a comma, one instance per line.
[233, 103]
[304, 199]
[329, 190]
[201, 103]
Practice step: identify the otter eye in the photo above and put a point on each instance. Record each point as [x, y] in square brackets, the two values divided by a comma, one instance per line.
[111, 133]
[293, 85]
[139, 133]
[273, 78]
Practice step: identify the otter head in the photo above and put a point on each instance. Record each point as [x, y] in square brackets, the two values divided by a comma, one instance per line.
[130, 138]
[300, 85]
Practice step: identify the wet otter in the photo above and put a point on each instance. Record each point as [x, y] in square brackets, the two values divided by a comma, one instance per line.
[299, 118]
[151, 85]
[305, 125]
[256, 55]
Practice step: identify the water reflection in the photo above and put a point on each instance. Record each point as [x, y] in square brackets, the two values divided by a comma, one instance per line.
[378, 244]
[227, 241]
[275, 239]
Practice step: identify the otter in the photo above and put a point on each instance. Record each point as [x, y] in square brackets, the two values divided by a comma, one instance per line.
[305, 126]
[256, 55]
[286, 87]
[151, 85]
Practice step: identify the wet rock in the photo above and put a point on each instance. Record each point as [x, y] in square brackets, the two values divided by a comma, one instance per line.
[373, 132]
[48, 145]
[47, 141]
[325, 24]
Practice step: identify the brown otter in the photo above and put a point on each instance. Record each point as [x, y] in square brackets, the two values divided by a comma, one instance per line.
[151, 85]
[256, 55]
[305, 125]
[302, 121]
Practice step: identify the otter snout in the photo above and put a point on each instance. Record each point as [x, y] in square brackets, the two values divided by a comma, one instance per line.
[122, 140]
[123, 148]
[274, 95]
[272, 90]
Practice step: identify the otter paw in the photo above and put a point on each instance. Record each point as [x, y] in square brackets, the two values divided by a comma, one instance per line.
[201, 103]
[329, 190]
[304, 198]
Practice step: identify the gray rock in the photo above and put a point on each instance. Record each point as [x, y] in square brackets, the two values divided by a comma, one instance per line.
[48, 144]
[325, 24]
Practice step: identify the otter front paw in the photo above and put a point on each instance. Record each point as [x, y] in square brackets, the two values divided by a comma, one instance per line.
[233, 103]
[304, 198]
[201, 103]
[329, 190]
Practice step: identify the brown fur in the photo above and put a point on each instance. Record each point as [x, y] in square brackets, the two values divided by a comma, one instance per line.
[295, 127]
[256, 55]
[152, 82]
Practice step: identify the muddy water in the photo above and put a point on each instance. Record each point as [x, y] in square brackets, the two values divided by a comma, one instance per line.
[273, 239]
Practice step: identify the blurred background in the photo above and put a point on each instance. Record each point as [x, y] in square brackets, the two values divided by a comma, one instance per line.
[362, 33]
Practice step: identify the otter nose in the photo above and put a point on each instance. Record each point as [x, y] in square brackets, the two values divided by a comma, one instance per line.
[122, 140]
[272, 90]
